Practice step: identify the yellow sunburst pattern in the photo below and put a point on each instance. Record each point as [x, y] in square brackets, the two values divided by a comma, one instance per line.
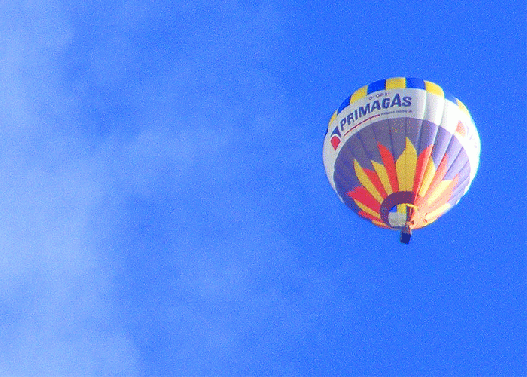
[408, 190]
[401, 152]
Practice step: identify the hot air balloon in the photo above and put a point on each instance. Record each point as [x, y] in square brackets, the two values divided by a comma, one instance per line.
[401, 152]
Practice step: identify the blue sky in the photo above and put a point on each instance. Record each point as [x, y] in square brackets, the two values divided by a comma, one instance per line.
[165, 210]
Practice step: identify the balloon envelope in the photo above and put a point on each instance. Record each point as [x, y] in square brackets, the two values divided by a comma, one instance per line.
[401, 152]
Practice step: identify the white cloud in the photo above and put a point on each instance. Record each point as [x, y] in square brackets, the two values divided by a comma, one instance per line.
[55, 288]
[131, 173]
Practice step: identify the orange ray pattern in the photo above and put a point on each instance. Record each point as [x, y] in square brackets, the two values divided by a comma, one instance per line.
[363, 196]
[422, 161]
[431, 192]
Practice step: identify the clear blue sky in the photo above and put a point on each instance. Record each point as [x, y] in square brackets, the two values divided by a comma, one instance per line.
[165, 210]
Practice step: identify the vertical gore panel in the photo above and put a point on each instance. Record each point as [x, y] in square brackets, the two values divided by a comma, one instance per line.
[383, 137]
[397, 129]
[459, 190]
[369, 142]
[434, 88]
[376, 86]
[413, 130]
[453, 151]
[415, 83]
[458, 164]
[396, 83]
[344, 104]
[441, 144]
[361, 93]
[428, 135]
[361, 155]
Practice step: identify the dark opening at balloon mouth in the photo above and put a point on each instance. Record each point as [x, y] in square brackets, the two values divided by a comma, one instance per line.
[393, 200]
